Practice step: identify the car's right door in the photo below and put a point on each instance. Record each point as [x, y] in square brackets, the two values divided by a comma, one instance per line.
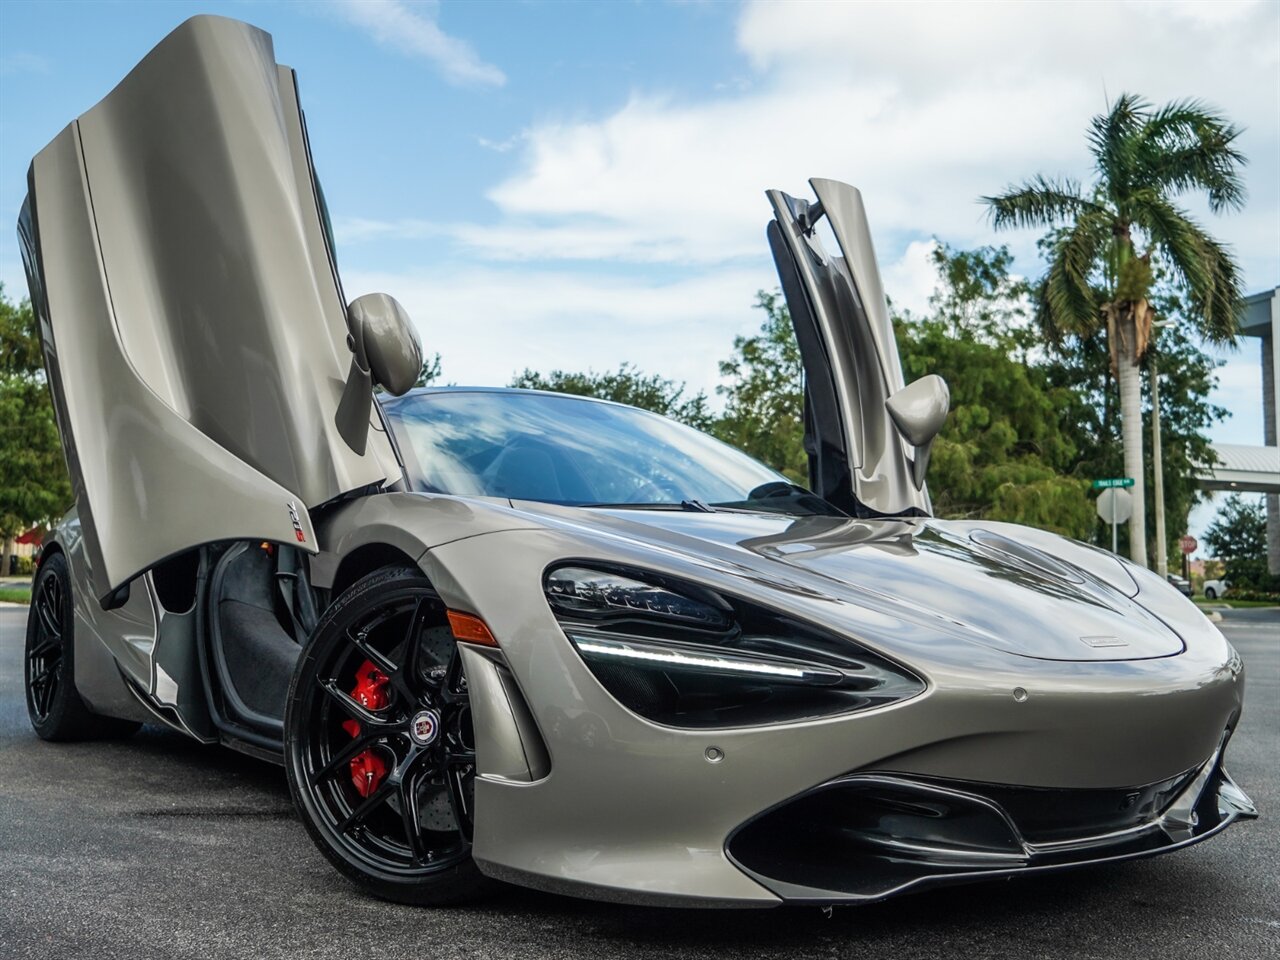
[858, 459]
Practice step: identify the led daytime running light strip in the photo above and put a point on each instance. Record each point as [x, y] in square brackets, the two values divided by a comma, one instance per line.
[712, 662]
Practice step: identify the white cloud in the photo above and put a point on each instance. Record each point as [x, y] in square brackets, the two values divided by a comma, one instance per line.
[23, 62]
[500, 146]
[913, 279]
[491, 322]
[352, 230]
[925, 107]
[414, 30]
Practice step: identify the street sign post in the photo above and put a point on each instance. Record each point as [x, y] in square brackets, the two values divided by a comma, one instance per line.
[1189, 545]
[1114, 505]
[1111, 482]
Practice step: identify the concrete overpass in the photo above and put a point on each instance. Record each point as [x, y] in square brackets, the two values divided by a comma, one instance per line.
[1250, 469]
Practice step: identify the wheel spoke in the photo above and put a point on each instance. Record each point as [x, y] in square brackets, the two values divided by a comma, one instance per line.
[457, 754]
[455, 778]
[51, 688]
[340, 759]
[354, 709]
[393, 672]
[44, 700]
[48, 619]
[413, 640]
[460, 758]
[374, 800]
[370, 653]
[409, 814]
[37, 696]
[451, 688]
[44, 647]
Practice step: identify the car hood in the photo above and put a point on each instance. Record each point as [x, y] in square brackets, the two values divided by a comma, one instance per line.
[1037, 595]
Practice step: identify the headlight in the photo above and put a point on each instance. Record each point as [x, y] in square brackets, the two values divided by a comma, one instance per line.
[599, 595]
[685, 656]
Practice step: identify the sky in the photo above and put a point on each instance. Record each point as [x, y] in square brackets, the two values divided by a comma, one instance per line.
[574, 185]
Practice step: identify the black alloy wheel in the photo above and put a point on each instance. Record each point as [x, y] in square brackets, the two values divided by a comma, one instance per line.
[54, 705]
[379, 746]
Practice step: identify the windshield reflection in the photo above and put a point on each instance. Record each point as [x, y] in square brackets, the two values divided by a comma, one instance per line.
[579, 452]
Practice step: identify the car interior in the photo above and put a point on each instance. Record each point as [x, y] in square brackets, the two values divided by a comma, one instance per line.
[261, 609]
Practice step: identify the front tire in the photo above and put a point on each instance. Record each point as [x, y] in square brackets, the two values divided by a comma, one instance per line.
[54, 705]
[1210, 593]
[379, 749]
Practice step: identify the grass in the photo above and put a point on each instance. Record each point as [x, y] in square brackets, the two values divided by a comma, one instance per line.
[15, 594]
[1234, 604]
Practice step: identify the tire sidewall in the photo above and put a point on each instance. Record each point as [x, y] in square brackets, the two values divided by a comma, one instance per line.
[55, 566]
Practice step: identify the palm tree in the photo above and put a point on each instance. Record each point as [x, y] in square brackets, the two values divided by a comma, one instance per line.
[1107, 242]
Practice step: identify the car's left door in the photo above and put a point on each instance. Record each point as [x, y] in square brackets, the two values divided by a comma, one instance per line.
[193, 325]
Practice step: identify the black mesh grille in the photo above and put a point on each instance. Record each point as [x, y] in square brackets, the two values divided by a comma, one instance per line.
[1047, 816]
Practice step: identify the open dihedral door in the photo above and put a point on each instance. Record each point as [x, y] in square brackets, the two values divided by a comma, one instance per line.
[865, 432]
[193, 325]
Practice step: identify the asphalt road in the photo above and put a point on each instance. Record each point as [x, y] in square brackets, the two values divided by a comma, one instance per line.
[157, 847]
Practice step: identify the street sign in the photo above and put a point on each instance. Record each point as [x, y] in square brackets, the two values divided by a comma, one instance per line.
[1112, 482]
[1189, 544]
[1114, 506]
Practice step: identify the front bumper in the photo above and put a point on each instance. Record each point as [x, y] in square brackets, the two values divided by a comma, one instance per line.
[577, 794]
[866, 837]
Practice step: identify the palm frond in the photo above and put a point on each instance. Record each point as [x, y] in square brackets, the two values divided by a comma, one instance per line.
[1186, 145]
[1065, 300]
[1112, 140]
[1206, 268]
[1039, 202]
[1221, 304]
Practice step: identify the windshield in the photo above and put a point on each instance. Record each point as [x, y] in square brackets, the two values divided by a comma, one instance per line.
[567, 450]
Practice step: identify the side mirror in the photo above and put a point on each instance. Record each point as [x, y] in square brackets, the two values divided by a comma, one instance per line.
[919, 410]
[384, 341]
[384, 350]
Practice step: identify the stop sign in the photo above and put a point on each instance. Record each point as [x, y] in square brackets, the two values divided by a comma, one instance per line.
[1188, 544]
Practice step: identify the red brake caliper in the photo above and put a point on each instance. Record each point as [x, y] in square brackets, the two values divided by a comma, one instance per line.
[367, 768]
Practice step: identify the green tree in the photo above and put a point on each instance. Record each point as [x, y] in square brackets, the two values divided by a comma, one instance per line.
[33, 476]
[1102, 261]
[764, 395]
[1003, 453]
[1238, 537]
[430, 371]
[626, 385]
[979, 297]
[1080, 366]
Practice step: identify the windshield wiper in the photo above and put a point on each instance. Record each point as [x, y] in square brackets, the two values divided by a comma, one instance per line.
[692, 506]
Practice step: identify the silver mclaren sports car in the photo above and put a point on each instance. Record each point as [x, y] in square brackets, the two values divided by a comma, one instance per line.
[553, 641]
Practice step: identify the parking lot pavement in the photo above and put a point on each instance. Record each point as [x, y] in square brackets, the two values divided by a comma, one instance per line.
[157, 847]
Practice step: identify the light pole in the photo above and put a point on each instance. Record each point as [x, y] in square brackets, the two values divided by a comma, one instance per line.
[1162, 558]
